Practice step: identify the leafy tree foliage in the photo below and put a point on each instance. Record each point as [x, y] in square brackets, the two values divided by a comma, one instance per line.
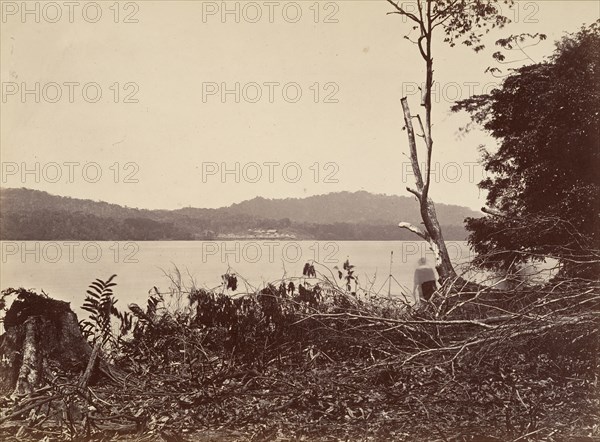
[544, 181]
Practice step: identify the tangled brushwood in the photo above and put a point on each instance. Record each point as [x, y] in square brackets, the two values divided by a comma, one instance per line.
[313, 358]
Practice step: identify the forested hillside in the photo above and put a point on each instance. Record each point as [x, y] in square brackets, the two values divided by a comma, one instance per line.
[34, 215]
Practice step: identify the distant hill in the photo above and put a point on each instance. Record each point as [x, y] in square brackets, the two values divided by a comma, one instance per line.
[350, 207]
[34, 215]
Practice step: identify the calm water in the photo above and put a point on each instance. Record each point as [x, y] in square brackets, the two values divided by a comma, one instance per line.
[64, 269]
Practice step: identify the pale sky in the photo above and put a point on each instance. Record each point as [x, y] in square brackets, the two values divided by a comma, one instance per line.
[175, 60]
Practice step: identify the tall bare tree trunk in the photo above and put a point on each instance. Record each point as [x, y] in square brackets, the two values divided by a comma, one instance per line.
[433, 232]
[457, 20]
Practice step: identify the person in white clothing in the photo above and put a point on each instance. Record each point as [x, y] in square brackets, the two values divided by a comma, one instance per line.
[424, 281]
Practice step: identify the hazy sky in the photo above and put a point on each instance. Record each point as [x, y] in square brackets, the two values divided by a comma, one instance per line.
[172, 130]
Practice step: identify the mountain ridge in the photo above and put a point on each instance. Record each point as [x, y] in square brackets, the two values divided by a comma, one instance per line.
[339, 215]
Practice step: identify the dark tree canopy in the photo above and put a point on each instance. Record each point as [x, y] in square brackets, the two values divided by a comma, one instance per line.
[544, 180]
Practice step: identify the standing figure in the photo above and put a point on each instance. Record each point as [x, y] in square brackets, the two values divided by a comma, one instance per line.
[425, 284]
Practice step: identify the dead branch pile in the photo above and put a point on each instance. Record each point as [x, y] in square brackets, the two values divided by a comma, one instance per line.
[322, 362]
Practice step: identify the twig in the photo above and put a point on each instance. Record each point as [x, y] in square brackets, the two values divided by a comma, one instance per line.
[528, 434]
[90, 367]
[29, 407]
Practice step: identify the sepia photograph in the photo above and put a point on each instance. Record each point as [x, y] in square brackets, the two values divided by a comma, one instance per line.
[303, 220]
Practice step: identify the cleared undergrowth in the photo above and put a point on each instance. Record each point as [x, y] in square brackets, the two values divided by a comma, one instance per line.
[319, 358]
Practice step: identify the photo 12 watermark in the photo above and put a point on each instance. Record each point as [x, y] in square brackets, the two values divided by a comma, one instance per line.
[270, 172]
[449, 172]
[273, 12]
[269, 251]
[253, 92]
[517, 12]
[411, 251]
[449, 91]
[53, 92]
[70, 12]
[69, 172]
[52, 252]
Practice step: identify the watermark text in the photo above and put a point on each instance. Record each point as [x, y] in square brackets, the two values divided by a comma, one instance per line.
[253, 92]
[53, 252]
[68, 172]
[270, 12]
[70, 92]
[269, 171]
[70, 12]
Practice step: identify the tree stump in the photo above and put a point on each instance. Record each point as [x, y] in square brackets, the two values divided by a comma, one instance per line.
[42, 337]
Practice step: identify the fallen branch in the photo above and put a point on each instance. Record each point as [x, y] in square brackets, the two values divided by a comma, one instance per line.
[29, 407]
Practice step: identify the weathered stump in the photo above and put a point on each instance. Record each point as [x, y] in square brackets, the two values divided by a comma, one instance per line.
[41, 337]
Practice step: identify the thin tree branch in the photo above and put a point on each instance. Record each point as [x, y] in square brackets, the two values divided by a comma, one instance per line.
[415, 230]
[414, 158]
